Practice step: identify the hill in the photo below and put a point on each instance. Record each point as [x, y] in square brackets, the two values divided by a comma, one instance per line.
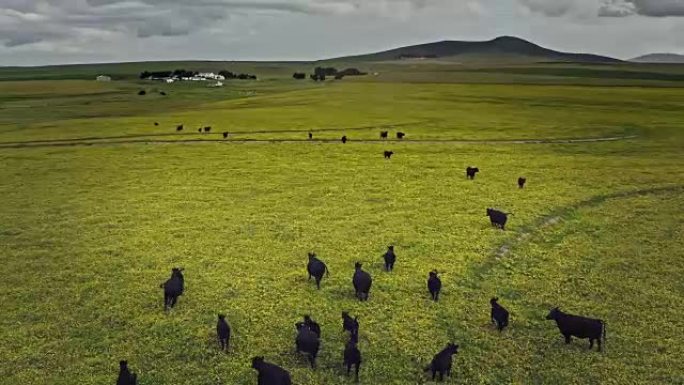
[505, 48]
[659, 58]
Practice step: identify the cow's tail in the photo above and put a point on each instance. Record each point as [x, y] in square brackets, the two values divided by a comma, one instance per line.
[603, 334]
[327, 272]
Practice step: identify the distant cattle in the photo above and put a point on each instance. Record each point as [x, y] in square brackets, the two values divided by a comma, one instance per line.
[344, 139]
[442, 362]
[350, 324]
[498, 218]
[199, 130]
[388, 154]
[580, 327]
[270, 374]
[362, 282]
[400, 135]
[142, 92]
[383, 134]
[434, 285]
[162, 93]
[223, 332]
[316, 268]
[307, 342]
[173, 288]
[310, 136]
[521, 182]
[471, 171]
[499, 314]
[352, 355]
[126, 377]
[207, 128]
[312, 325]
[389, 258]
[179, 127]
[225, 135]
[156, 123]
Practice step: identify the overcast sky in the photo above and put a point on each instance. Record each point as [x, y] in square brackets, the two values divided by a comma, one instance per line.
[35, 32]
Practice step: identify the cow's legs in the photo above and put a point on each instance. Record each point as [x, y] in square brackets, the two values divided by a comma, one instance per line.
[567, 338]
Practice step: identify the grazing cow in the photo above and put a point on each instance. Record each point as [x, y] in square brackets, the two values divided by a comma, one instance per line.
[207, 128]
[344, 139]
[162, 93]
[173, 288]
[156, 123]
[498, 218]
[225, 135]
[383, 134]
[310, 136]
[126, 377]
[580, 327]
[199, 130]
[307, 342]
[521, 182]
[499, 314]
[312, 325]
[179, 127]
[270, 374]
[400, 135]
[352, 355]
[316, 268]
[223, 332]
[362, 282]
[388, 154]
[442, 362]
[350, 324]
[471, 171]
[390, 258]
[434, 285]
[142, 92]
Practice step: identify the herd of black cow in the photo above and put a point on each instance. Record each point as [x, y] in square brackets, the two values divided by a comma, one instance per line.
[308, 331]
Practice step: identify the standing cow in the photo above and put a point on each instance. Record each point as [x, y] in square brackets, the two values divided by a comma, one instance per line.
[223, 332]
[498, 218]
[499, 314]
[471, 171]
[344, 139]
[126, 377]
[352, 355]
[434, 285]
[578, 326]
[388, 154]
[390, 258]
[442, 362]
[316, 268]
[307, 342]
[521, 182]
[362, 282]
[270, 374]
[383, 134]
[173, 288]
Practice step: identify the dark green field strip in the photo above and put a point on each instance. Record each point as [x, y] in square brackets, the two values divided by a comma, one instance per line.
[587, 73]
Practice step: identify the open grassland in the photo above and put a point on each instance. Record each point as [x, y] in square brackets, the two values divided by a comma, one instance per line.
[87, 234]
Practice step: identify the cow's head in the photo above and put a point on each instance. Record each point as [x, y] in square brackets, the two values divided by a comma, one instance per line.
[553, 314]
[357, 265]
[493, 300]
[221, 316]
[452, 348]
[433, 274]
[257, 362]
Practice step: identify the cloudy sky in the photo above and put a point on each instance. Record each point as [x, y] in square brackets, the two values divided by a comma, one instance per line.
[35, 32]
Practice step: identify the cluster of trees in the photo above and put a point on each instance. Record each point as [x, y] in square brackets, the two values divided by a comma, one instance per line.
[230, 75]
[320, 73]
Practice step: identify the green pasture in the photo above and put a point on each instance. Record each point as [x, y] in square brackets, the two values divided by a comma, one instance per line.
[88, 232]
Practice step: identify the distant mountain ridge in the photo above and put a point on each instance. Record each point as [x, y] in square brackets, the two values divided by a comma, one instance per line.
[504, 47]
[672, 58]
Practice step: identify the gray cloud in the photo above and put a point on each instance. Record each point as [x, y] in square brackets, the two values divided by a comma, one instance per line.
[655, 8]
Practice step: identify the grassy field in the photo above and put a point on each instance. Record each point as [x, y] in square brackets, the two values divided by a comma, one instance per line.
[88, 232]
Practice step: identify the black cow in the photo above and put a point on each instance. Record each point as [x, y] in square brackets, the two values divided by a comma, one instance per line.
[270, 374]
[383, 134]
[442, 362]
[173, 288]
[434, 285]
[310, 136]
[307, 342]
[350, 324]
[471, 171]
[126, 377]
[388, 154]
[162, 93]
[390, 258]
[142, 92]
[580, 327]
[344, 139]
[498, 218]
[362, 282]
[225, 135]
[179, 127]
[400, 135]
[207, 128]
[223, 332]
[312, 325]
[199, 130]
[316, 268]
[521, 182]
[156, 123]
[352, 355]
[499, 314]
